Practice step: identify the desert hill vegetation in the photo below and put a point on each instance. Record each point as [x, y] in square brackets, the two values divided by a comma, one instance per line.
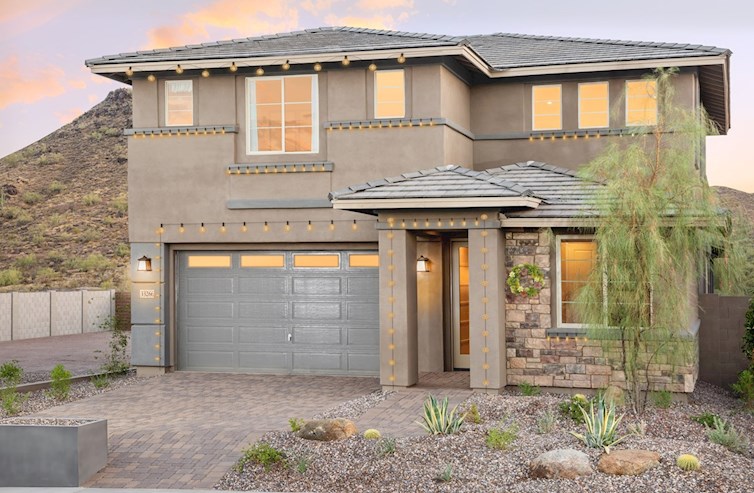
[63, 204]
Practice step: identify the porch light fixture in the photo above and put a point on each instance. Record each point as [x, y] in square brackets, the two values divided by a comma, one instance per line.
[401, 58]
[372, 67]
[144, 264]
[233, 67]
[260, 71]
[129, 72]
[317, 67]
[346, 62]
[151, 78]
[286, 65]
[205, 73]
[422, 264]
[179, 70]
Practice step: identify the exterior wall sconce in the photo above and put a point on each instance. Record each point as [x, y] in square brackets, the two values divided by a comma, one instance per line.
[422, 264]
[144, 264]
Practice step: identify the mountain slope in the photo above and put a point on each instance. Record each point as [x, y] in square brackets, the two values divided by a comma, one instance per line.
[741, 202]
[63, 207]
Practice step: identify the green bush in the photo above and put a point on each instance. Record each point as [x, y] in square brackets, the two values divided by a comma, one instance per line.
[54, 220]
[16, 213]
[11, 375]
[726, 435]
[122, 250]
[295, 424]
[302, 464]
[49, 158]
[55, 187]
[386, 446]
[60, 384]
[662, 399]
[502, 438]
[45, 274]
[572, 408]
[31, 198]
[546, 422]
[528, 389]
[473, 416]
[744, 387]
[112, 132]
[601, 426]
[9, 277]
[446, 474]
[91, 199]
[117, 359]
[93, 262]
[120, 205]
[26, 262]
[706, 419]
[100, 381]
[438, 420]
[263, 454]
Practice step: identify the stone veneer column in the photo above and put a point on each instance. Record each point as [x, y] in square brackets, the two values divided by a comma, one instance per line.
[398, 320]
[487, 309]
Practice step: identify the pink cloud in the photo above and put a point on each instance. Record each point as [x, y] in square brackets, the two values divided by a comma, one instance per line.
[226, 18]
[384, 4]
[373, 22]
[68, 115]
[77, 84]
[316, 7]
[28, 85]
[19, 17]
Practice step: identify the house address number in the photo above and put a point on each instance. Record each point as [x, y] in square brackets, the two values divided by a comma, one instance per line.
[146, 294]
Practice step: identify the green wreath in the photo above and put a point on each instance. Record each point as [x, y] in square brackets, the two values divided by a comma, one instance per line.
[534, 275]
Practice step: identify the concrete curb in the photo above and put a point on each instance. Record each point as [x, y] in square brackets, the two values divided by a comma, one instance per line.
[45, 384]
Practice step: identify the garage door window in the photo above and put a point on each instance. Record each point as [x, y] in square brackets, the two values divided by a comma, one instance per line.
[263, 261]
[363, 260]
[317, 261]
[209, 261]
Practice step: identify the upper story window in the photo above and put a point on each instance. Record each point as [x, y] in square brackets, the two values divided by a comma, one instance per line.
[641, 102]
[282, 114]
[389, 94]
[179, 103]
[547, 107]
[594, 105]
[576, 258]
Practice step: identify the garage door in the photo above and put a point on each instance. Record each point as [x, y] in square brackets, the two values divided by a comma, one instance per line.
[279, 312]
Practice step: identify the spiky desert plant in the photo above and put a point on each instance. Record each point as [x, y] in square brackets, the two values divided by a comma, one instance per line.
[601, 426]
[438, 420]
[372, 434]
[688, 462]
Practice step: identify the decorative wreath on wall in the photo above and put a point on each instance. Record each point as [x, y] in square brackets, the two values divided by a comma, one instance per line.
[526, 280]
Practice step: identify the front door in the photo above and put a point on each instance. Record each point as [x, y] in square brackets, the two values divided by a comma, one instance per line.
[460, 304]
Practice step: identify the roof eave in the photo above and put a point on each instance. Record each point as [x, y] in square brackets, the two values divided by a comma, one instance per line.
[434, 203]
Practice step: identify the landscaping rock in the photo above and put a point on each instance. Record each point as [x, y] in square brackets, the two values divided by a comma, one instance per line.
[560, 464]
[615, 395]
[628, 462]
[328, 430]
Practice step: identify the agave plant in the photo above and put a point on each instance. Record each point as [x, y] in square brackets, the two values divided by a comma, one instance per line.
[437, 419]
[601, 426]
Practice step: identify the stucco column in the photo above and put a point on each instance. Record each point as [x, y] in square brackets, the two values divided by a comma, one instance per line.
[487, 309]
[398, 322]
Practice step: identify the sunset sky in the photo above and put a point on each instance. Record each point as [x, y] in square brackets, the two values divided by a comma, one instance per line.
[43, 45]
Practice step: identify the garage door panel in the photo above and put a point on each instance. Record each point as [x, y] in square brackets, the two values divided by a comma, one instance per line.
[364, 286]
[210, 359]
[207, 334]
[211, 285]
[263, 335]
[362, 337]
[363, 311]
[363, 362]
[317, 285]
[317, 335]
[262, 285]
[317, 361]
[263, 310]
[317, 310]
[264, 360]
[210, 309]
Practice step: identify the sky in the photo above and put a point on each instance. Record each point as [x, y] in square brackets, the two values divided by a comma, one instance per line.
[43, 44]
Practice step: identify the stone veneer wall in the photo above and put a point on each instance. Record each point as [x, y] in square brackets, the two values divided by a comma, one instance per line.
[571, 362]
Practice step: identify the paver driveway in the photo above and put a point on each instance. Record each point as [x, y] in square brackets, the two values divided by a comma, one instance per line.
[185, 429]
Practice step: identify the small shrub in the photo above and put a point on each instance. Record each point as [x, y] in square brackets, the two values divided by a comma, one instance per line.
[372, 434]
[302, 464]
[601, 426]
[93, 262]
[31, 198]
[112, 132]
[54, 220]
[386, 446]
[60, 384]
[11, 375]
[638, 428]
[501, 439]
[662, 399]
[726, 435]
[91, 199]
[45, 274]
[437, 419]
[117, 360]
[295, 424]
[706, 419]
[528, 389]
[263, 454]
[49, 158]
[26, 262]
[11, 401]
[573, 406]
[546, 422]
[55, 187]
[122, 250]
[473, 416]
[744, 387]
[96, 135]
[446, 474]
[100, 381]
[9, 277]
[16, 213]
[688, 462]
[120, 205]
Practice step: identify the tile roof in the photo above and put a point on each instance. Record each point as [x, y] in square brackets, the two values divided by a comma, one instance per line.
[500, 50]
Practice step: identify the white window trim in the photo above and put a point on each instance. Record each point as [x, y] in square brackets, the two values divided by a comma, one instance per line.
[608, 102]
[558, 289]
[374, 102]
[251, 112]
[625, 89]
[534, 115]
[167, 113]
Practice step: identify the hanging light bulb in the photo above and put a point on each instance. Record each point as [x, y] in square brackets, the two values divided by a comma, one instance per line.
[354, 226]
[317, 67]
[332, 226]
[202, 229]
[416, 224]
[161, 230]
[151, 78]
[372, 66]
[403, 223]
[346, 62]
[244, 228]
[129, 72]
[266, 227]
[205, 73]
[179, 70]
[222, 228]
[309, 226]
[426, 223]
[260, 71]
[287, 227]
[401, 58]
[233, 67]
[181, 229]
[286, 65]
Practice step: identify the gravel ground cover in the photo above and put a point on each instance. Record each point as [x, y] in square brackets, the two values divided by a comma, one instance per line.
[46, 421]
[39, 400]
[360, 465]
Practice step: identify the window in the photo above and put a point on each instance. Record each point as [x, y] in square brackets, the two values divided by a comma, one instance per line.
[363, 260]
[282, 114]
[594, 105]
[641, 102]
[389, 94]
[317, 261]
[179, 103]
[546, 107]
[209, 261]
[576, 260]
[263, 261]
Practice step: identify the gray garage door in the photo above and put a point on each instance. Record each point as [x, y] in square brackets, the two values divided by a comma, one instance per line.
[279, 312]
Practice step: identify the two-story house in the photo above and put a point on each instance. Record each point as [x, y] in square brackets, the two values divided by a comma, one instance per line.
[349, 201]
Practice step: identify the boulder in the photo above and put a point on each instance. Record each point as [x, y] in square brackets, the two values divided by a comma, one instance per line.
[615, 395]
[628, 462]
[328, 430]
[560, 464]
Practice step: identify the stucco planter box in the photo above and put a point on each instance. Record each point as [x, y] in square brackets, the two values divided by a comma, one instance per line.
[51, 451]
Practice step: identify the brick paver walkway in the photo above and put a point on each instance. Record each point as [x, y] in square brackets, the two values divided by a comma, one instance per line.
[185, 430]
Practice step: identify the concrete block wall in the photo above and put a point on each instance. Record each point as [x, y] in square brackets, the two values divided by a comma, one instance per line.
[53, 313]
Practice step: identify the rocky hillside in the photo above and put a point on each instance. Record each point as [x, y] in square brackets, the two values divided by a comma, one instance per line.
[737, 200]
[63, 207]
